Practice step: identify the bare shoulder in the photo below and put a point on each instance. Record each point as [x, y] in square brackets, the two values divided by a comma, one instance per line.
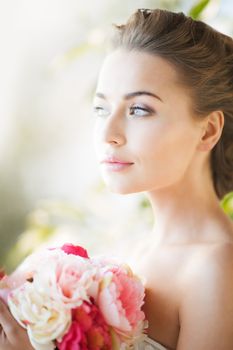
[210, 265]
[213, 258]
[220, 256]
[222, 253]
[207, 301]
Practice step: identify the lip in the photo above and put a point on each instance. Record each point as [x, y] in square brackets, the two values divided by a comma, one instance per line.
[110, 166]
[114, 160]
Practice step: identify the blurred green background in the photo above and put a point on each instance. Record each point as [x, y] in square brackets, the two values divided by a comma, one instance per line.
[50, 188]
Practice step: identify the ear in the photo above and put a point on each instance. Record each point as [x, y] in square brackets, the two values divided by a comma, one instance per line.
[211, 131]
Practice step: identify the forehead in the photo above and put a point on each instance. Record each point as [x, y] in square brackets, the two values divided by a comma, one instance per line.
[123, 71]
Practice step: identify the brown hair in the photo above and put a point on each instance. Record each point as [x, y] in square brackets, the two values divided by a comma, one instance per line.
[203, 58]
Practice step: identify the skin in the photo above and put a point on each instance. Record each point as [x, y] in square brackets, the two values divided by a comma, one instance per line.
[187, 258]
[12, 335]
[188, 264]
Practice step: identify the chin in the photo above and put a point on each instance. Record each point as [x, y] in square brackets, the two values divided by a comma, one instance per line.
[123, 189]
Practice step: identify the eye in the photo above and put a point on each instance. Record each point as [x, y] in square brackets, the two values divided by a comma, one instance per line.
[140, 111]
[100, 111]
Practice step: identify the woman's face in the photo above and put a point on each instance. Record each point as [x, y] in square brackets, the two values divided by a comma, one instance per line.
[143, 117]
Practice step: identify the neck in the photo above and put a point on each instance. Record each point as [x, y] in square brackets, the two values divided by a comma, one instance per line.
[186, 213]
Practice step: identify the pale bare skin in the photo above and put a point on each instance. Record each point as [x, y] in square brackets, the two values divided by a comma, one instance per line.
[187, 259]
[179, 278]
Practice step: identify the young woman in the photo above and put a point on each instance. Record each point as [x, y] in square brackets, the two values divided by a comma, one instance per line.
[164, 126]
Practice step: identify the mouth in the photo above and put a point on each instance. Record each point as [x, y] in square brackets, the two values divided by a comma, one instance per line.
[116, 166]
[114, 160]
[113, 163]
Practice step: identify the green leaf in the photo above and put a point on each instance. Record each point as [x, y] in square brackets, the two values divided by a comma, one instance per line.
[196, 11]
[227, 204]
[144, 203]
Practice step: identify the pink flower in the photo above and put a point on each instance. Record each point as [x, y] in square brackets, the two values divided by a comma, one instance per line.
[62, 296]
[120, 300]
[69, 248]
[27, 269]
[88, 331]
[67, 279]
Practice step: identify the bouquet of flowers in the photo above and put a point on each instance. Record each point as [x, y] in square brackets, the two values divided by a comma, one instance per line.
[68, 301]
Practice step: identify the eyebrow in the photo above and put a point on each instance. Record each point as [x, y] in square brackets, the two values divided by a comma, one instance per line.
[132, 94]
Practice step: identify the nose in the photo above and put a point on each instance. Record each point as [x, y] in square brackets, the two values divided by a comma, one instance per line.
[113, 130]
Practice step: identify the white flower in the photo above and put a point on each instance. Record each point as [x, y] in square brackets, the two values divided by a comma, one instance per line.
[44, 318]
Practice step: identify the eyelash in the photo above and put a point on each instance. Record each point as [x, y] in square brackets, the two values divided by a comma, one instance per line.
[133, 108]
[139, 108]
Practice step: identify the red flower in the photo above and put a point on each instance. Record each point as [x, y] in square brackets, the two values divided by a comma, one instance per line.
[2, 273]
[88, 330]
[69, 248]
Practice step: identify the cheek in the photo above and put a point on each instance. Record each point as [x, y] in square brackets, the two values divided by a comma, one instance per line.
[165, 150]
